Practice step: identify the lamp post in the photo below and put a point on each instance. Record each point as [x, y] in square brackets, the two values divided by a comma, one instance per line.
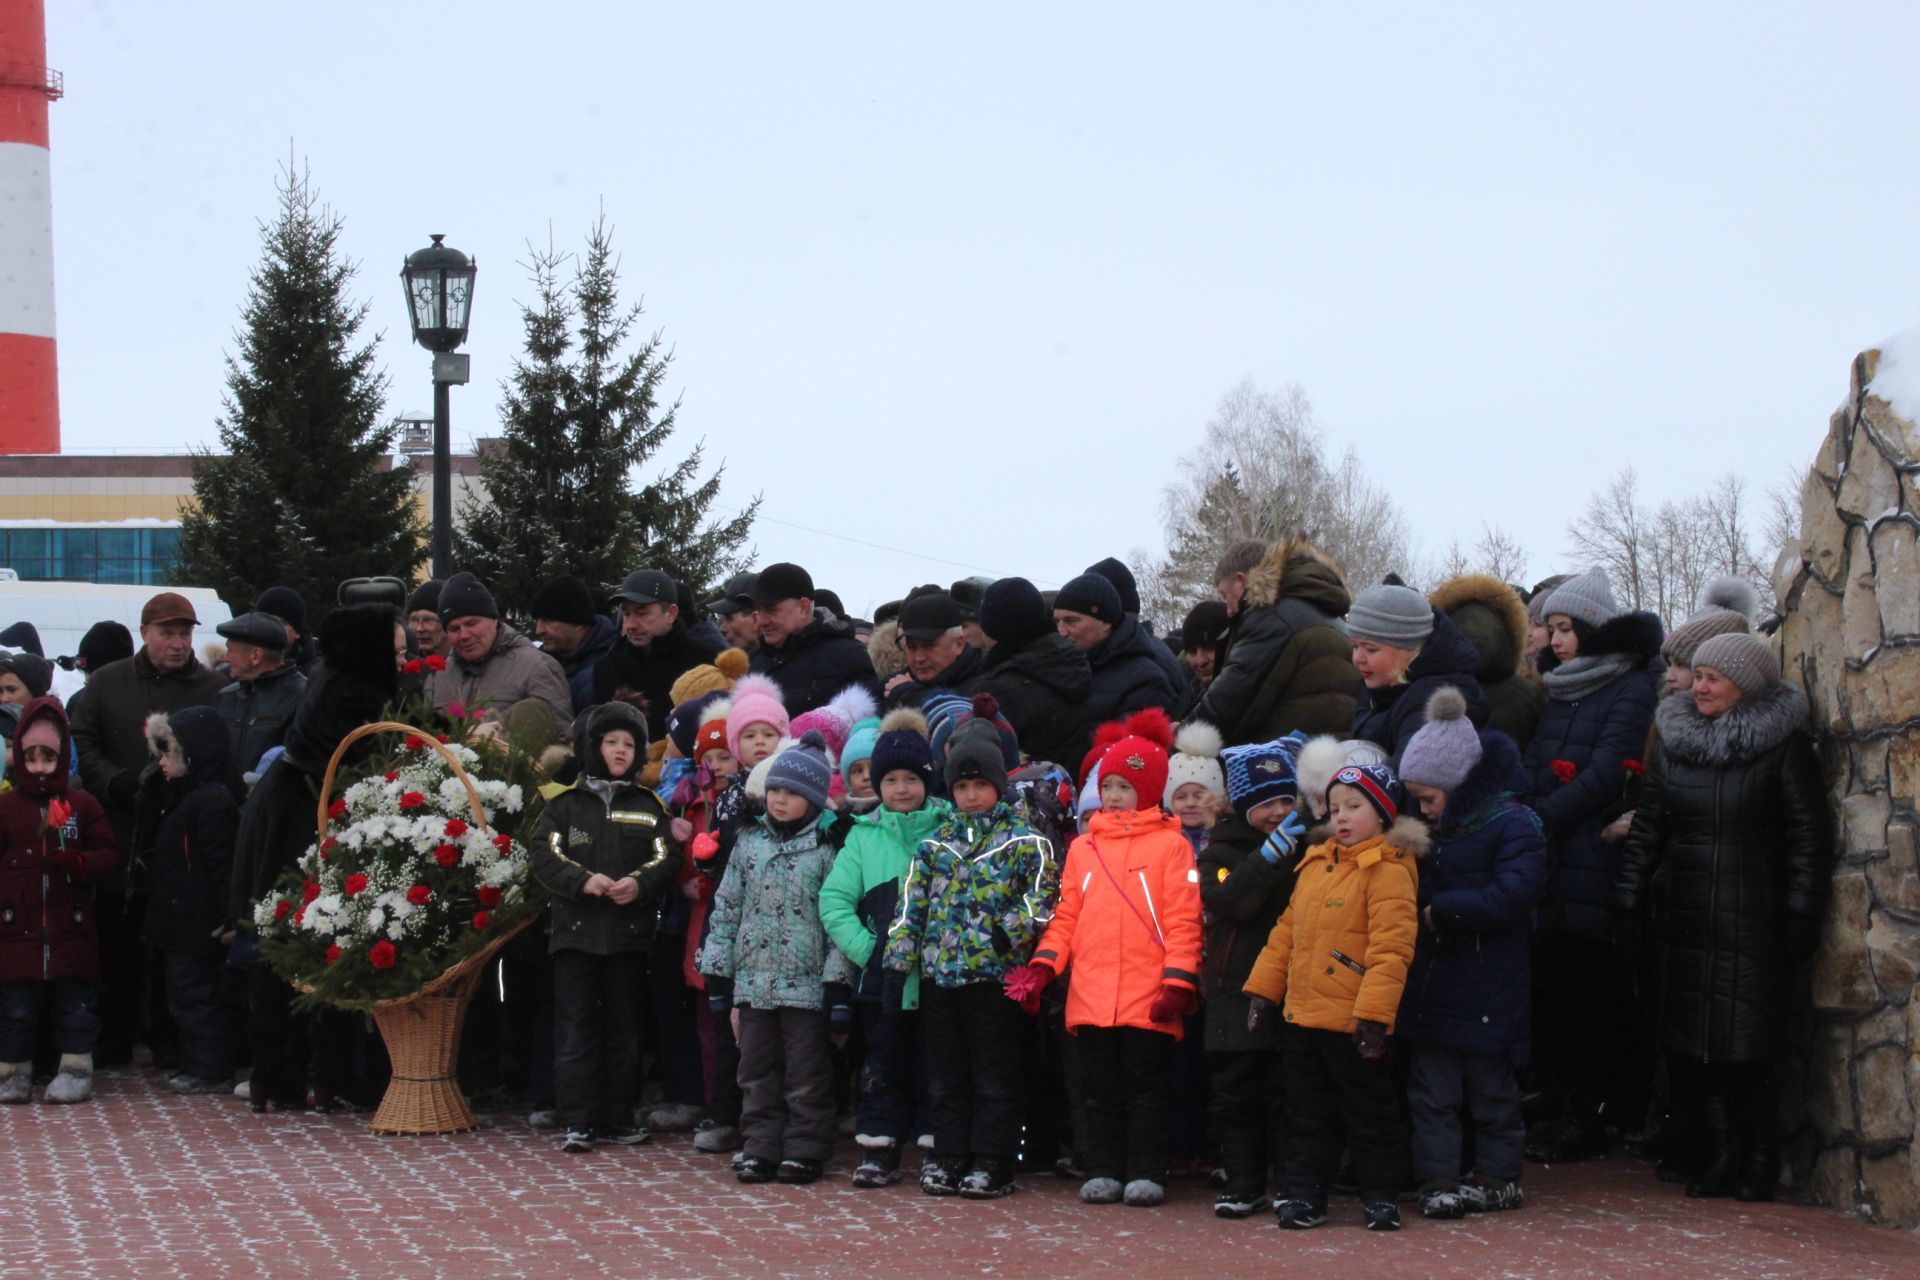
[439, 284]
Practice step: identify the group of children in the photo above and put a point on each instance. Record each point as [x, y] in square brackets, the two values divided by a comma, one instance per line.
[898, 881]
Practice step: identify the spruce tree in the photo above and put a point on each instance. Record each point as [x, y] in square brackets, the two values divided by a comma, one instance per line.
[581, 413]
[304, 495]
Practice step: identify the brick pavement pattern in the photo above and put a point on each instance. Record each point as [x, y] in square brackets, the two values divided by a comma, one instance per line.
[140, 1183]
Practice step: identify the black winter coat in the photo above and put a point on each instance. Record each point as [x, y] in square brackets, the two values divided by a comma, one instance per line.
[1127, 675]
[1042, 686]
[650, 672]
[579, 669]
[1242, 896]
[816, 662]
[1485, 869]
[1388, 717]
[956, 675]
[1729, 857]
[1596, 733]
[257, 713]
[618, 831]
[188, 826]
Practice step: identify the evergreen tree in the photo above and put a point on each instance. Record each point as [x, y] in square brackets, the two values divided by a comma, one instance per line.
[304, 495]
[579, 417]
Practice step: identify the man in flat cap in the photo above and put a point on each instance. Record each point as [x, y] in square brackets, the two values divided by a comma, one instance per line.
[266, 689]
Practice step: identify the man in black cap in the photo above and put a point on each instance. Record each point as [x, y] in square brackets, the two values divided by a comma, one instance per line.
[1040, 679]
[573, 632]
[423, 618]
[265, 692]
[810, 653]
[656, 647]
[938, 655]
[492, 666]
[734, 609]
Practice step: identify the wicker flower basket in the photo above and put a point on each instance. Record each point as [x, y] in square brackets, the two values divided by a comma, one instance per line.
[422, 1031]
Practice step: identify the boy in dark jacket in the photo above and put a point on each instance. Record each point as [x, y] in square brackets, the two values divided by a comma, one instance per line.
[1467, 995]
[1246, 878]
[55, 845]
[186, 819]
[605, 851]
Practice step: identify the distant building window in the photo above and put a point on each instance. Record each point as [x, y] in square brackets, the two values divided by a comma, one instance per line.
[134, 557]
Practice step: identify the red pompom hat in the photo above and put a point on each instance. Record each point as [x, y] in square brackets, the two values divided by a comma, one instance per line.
[1139, 753]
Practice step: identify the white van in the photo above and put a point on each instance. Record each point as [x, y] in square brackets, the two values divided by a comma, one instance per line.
[62, 612]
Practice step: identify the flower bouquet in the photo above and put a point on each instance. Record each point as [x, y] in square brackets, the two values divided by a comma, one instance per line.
[406, 893]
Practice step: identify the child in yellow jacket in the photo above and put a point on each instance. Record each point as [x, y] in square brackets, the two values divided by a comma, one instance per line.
[1338, 961]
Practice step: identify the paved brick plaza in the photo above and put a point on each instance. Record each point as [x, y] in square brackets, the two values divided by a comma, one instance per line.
[141, 1183]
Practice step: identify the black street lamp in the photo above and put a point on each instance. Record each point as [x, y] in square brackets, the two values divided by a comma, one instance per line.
[439, 284]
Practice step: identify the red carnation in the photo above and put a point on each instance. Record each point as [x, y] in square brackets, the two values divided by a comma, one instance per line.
[412, 800]
[280, 910]
[1633, 767]
[338, 809]
[446, 855]
[418, 895]
[299, 917]
[442, 738]
[333, 952]
[308, 892]
[412, 667]
[327, 847]
[481, 920]
[416, 743]
[382, 955]
[391, 775]
[503, 842]
[1564, 770]
[435, 662]
[455, 828]
[355, 884]
[489, 896]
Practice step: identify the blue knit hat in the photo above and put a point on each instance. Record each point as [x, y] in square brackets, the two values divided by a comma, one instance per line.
[1378, 783]
[902, 744]
[860, 743]
[802, 769]
[1259, 772]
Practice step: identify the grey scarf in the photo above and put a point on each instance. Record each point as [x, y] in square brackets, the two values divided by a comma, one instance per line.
[1575, 678]
[1751, 726]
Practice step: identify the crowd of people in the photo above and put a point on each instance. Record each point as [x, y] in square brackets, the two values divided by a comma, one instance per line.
[1331, 888]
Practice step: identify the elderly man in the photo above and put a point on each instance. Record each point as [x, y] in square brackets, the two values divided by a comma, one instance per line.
[265, 692]
[938, 655]
[1041, 680]
[656, 647]
[493, 666]
[734, 609]
[811, 654]
[573, 632]
[109, 734]
[423, 618]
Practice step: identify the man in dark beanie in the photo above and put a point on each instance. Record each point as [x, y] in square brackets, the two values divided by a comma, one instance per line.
[656, 647]
[423, 618]
[808, 651]
[1127, 676]
[290, 607]
[1040, 679]
[104, 643]
[573, 632]
[492, 666]
[1121, 577]
[1201, 635]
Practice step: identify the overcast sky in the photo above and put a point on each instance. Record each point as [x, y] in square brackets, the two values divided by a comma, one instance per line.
[965, 281]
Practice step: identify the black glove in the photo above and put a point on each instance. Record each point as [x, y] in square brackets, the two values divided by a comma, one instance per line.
[893, 991]
[1259, 1010]
[719, 995]
[1370, 1038]
[839, 1001]
[1803, 937]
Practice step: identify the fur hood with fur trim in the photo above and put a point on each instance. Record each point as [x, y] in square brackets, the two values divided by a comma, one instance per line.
[1490, 614]
[1295, 569]
[1748, 729]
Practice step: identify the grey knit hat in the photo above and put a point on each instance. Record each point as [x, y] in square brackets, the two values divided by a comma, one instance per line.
[803, 769]
[1746, 660]
[1399, 616]
[1446, 748]
[1587, 598]
[974, 752]
[1537, 599]
[1684, 641]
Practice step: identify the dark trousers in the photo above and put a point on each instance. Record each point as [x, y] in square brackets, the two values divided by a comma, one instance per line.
[1190, 1137]
[677, 1043]
[1587, 1031]
[891, 1078]
[1335, 1099]
[526, 1013]
[596, 1037]
[286, 1044]
[725, 1099]
[974, 1040]
[1442, 1080]
[1247, 1115]
[1126, 1074]
[71, 1007]
[199, 997]
[786, 1079]
[123, 973]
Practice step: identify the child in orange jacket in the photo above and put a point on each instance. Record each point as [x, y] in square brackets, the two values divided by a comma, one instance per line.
[1338, 958]
[1128, 922]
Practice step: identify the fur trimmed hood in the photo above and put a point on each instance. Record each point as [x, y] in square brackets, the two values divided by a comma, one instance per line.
[1294, 568]
[1492, 617]
[1753, 726]
[1637, 635]
[192, 741]
[1410, 834]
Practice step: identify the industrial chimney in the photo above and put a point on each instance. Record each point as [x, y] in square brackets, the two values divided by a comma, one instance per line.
[29, 385]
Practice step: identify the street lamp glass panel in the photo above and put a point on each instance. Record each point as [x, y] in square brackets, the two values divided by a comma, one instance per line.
[439, 284]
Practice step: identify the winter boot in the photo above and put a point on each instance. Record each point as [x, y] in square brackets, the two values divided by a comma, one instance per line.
[940, 1176]
[1719, 1143]
[715, 1138]
[1490, 1197]
[795, 1172]
[879, 1163]
[16, 1081]
[757, 1169]
[1144, 1193]
[992, 1177]
[74, 1081]
[671, 1117]
[1101, 1191]
[1239, 1200]
[578, 1141]
[1297, 1213]
[1381, 1215]
[1443, 1201]
[1754, 1116]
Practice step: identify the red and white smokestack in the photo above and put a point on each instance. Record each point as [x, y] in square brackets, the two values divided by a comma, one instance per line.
[29, 382]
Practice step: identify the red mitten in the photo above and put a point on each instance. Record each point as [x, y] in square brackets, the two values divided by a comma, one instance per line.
[72, 864]
[1026, 984]
[682, 829]
[705, 846]
[1173, 1003]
